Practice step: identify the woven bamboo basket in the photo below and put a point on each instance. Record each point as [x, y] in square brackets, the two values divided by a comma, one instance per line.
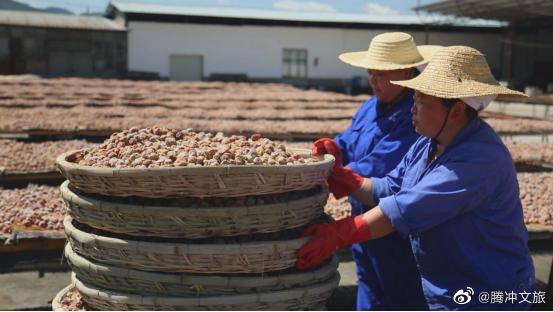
[192, 222]
[310, 297]
[227, 181]
[190, 285]
[56, 303]
[254, 257]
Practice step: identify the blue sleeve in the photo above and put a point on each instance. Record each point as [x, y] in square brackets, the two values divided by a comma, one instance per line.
[342, 143]
[342, 138]
[447, 191]
[387, 153]
[391, 183]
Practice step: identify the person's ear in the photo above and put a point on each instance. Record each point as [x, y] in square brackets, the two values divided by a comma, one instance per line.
[458, 109]
[410, 73]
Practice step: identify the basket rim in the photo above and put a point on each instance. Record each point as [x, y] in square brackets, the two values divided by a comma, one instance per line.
[268, 297]
[88, 201]
[172, 248]
[180, 278]
[56, 302]
[327, 160]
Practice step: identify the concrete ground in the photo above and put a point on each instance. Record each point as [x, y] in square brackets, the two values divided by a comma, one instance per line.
[29, 291]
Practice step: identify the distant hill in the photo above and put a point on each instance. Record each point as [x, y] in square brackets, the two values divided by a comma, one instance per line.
[58, 10]
[18, 6]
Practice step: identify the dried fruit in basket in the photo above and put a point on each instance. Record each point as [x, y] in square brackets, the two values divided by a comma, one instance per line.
[161, 147]
[73, 301]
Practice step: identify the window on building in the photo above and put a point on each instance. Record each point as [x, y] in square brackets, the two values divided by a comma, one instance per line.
[294, 63]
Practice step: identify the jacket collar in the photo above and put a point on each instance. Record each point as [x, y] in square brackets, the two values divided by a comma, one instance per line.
[405, 102]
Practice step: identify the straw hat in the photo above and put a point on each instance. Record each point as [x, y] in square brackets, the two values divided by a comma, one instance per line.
[457, 72]
[390, 51]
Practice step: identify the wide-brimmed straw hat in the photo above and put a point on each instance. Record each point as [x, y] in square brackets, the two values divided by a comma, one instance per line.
[390, 51]
[457, 72]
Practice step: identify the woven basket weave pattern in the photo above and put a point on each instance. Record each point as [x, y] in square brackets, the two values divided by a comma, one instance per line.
[196, 182]
[255, 257]
[294, 299]
[192, 222]
[187, 285]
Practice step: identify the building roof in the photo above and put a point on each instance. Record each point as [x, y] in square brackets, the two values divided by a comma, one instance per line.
[52, 20]
[129, 7]
[502, 10]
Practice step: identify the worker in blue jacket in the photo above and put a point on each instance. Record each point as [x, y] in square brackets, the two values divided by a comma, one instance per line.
[380, 134]
[454, 195]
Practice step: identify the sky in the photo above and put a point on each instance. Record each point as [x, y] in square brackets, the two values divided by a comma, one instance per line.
[372, 7]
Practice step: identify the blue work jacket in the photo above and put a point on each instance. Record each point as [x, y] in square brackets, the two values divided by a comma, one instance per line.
[374, 143]
[463, 216]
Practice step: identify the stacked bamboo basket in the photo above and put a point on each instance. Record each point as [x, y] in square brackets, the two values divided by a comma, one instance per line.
[152, 251]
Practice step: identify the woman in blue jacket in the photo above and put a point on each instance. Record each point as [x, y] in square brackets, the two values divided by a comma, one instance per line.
[380, 134]
[454, 194]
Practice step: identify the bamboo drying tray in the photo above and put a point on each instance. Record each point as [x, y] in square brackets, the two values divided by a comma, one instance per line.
[189, 285]
[223, 181]
[254, 257]
[302, 298]
[192, 222]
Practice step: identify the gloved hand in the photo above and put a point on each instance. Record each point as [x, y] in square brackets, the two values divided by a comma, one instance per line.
[328, 237]
[343, 181]
[327, 146]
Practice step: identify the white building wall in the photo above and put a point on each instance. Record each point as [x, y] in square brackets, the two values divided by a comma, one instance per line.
[257, 50]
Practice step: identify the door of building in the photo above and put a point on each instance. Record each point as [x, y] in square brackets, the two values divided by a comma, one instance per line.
[186, 67]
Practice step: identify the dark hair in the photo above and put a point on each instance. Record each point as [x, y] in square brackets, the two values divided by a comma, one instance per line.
[470, 112]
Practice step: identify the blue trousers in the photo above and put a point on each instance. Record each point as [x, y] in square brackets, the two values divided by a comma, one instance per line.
[387, 274]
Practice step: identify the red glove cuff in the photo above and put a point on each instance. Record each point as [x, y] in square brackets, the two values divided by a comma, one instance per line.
[362, 232]
[327, 237]
[352, 230]
[344, 181]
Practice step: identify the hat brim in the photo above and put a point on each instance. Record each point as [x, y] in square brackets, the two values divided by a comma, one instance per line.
[447, 88]
[362, 59]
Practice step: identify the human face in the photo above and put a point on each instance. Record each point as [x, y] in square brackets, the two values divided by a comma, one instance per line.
[428, 114]
[382, 88]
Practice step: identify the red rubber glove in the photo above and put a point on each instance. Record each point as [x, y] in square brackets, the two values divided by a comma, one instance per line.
[327, 146]
[343, 181]
[328, 237]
